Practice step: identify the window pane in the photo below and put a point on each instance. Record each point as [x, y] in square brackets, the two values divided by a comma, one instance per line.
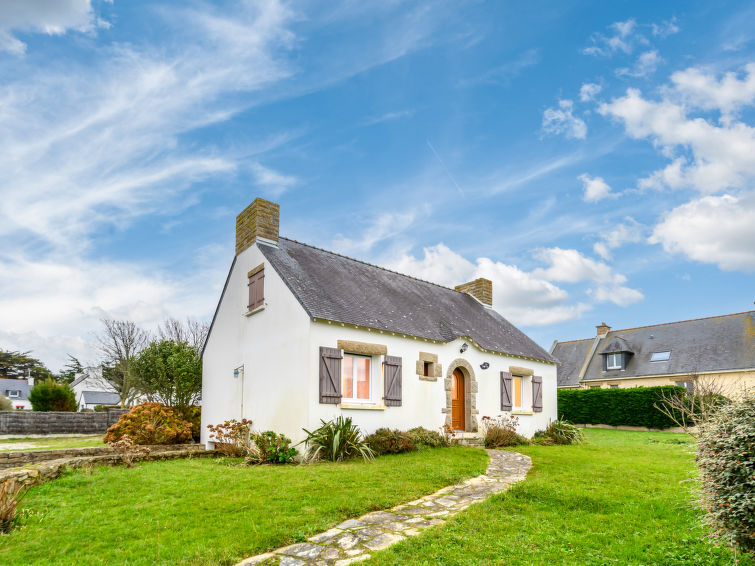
[363, 377]
[348, 377]
[517, 391]
[660, 356]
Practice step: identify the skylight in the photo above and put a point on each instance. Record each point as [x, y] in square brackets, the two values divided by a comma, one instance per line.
[660, 356]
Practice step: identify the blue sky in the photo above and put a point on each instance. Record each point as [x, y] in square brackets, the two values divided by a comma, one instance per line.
[594, 159]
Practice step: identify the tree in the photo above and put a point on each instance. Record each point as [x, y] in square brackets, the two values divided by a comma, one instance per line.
[19, 365]
[49, 395]
[192, 332]
[119, 343]
[5, 403]
[70, 370]
[170, 373]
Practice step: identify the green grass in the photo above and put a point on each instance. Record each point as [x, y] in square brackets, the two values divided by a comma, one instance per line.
[619, 498]
[205, 511]
[50, 443]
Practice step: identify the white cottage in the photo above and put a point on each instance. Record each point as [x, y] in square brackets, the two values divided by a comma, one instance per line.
[302, 334]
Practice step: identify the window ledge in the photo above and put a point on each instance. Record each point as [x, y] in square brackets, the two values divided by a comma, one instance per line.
[362, 407]
[427, 377]
[522, 412]
[254, 311]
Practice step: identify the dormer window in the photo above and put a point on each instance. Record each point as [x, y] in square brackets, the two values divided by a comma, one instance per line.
[660, 356]
[615, 361]
[13, 393]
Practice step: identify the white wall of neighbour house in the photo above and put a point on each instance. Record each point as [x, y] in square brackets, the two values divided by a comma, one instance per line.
[270, 345]
[423, 401]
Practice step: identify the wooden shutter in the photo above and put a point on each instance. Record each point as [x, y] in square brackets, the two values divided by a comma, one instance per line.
[537, 394]
[506, 389]
[392, 375]
[330, 375]
[257, 289]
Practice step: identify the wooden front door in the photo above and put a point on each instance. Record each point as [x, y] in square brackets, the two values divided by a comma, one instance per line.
[457, 401]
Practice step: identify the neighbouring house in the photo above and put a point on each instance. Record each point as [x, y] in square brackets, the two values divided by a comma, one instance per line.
[302, 334]
[91, 389]
[17, 390]
[718, 350]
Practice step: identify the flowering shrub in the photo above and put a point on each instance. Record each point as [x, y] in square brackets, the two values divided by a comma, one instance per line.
[127, 450]
[193, 414]
[232, 438]
[501, 431]
[151, 423]
[271, 448]
[726, 458]
[387, 441]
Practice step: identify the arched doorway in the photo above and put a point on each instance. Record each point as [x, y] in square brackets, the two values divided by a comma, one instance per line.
[458, 410]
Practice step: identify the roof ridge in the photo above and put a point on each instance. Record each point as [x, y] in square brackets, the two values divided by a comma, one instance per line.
[371, 264]
[680, 321]
[559, 342]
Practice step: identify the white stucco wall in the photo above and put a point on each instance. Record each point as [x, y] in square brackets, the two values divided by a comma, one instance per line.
[279, 349]
[271, 347]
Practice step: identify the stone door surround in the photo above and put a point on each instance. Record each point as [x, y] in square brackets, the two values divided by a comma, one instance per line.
[470, 393]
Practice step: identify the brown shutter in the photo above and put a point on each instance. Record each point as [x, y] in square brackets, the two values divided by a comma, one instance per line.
[537, 394]
[257, 290]
[330, 375]
[392, 375]
[506, 388]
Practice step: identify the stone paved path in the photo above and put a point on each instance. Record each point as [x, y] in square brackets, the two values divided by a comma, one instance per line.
[353, 540]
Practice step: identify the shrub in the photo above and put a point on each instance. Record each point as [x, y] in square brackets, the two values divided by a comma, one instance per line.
[271, 448]
[127, 450]
[387, 441]
[151, 423]
[5, 403]
[424, 437]
[169, 372]
[232, 438]
[726, 458]
[562, 431]
[49, 395]
[193, 414]
[617, 407]
[501, 431]
[337, 440]
[12, 493]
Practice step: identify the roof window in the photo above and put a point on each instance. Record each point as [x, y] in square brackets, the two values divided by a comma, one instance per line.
[660, 356]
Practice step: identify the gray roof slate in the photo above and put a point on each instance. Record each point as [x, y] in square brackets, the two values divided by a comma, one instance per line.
[338, 288]
[100, 398]
[571, 355]
[710, 344]
[21, 385]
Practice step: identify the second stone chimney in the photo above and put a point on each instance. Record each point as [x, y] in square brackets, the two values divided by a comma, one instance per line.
[481, 289]
[258, 221]
[603, 330]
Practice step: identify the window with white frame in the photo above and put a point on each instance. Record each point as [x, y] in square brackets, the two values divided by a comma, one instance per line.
[614, 361]
[13, 393]
[520, 393]
[356, 383]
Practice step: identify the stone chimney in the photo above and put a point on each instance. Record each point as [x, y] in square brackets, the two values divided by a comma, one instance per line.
[481, 289]
[259, 220]
[603, 330]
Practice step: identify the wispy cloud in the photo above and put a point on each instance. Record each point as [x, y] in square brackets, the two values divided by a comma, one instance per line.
[388, 117]
[506, 72]
[562, 120]
[645, 65]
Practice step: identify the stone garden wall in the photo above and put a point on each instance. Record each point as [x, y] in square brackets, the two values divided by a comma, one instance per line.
[33, 422]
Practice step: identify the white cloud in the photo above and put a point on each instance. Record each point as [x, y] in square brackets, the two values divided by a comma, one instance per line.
[52, 17]
[665, 28]
[713, 229]
[718, 156]
[589, 91]
[700, 89]
[645, 65]
[562, 120]
[595, 188]
[620, 38]
[273, 182]
[630, 231]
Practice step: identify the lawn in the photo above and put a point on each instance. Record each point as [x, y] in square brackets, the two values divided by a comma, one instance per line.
[205, 511]
[50, 442]
[619, 498]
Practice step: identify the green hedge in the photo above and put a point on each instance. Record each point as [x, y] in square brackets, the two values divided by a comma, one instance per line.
[615, 407]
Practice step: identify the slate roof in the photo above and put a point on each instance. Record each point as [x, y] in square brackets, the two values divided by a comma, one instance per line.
[100, 398]
[338, 288]
[21, 385]
[710, 344]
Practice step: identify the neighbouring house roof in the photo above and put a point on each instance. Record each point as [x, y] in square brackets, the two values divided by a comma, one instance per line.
[100, 398]
[333, 287]
[22, 385]
[702, 345]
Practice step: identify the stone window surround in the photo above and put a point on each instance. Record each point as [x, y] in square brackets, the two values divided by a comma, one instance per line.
[470, 393]
[436, 370]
